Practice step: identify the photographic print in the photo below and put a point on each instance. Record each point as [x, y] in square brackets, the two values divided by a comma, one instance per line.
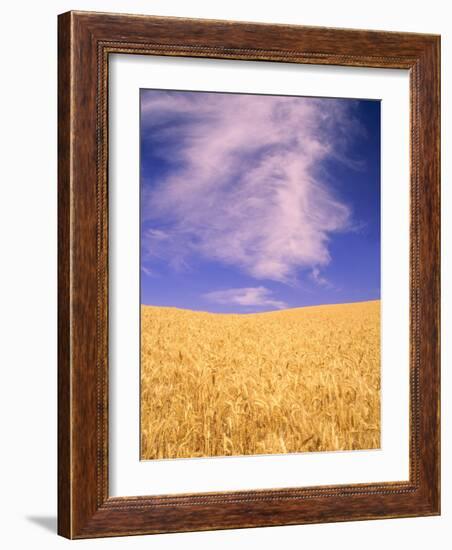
[242, 272]
[260, 274]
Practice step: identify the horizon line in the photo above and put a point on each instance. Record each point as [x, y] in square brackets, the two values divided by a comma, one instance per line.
[276, 310]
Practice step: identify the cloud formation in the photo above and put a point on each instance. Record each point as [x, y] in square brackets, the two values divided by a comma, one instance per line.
[148, 272]
[252, 297]
[319, 279]
[245, 184]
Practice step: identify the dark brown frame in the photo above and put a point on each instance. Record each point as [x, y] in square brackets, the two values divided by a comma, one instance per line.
[84, 44]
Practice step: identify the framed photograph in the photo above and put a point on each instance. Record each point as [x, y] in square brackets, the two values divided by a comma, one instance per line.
[248, 275]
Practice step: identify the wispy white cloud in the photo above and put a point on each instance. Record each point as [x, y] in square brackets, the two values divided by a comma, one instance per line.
[247, 297]
[148, 272]
[247, 187]
[316, 276]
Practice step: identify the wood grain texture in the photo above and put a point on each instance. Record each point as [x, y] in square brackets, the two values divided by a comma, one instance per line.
[64, 295]
[85, 42]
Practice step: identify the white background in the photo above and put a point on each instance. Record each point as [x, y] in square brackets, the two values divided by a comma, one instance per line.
[128, 476]
[28, 274]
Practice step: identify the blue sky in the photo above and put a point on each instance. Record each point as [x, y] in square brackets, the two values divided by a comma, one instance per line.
[252, 203]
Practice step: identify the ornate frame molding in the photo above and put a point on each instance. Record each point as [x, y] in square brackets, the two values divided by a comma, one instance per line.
[85, 42]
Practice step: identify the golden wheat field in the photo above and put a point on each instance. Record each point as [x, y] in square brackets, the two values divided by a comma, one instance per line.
[295, 380]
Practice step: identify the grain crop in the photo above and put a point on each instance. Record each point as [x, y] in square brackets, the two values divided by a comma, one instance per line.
[294, 380]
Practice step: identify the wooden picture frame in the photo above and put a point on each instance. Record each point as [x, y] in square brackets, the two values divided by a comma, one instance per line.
[85, 42]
